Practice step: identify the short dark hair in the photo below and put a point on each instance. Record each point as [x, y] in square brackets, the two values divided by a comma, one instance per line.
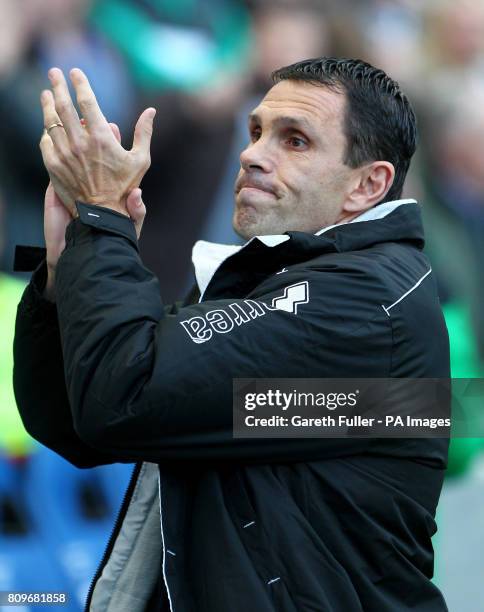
[380, 123]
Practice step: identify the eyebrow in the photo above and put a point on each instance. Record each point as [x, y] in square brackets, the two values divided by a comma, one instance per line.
[286, 121]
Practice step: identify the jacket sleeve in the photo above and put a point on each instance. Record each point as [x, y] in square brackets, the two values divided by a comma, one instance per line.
[38, 378]
[144, 384]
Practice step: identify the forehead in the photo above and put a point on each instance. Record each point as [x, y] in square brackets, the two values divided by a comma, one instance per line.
[316, 104]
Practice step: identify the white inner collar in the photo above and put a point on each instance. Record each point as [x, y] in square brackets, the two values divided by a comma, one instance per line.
[377, 212]
[207, 257]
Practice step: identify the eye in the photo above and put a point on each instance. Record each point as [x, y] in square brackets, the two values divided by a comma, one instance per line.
[297, 142]
[255, 134]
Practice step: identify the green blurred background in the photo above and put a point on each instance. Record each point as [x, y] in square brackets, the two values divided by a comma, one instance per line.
[203, 64]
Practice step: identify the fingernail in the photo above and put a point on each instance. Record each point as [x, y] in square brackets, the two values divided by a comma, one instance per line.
[52, 73]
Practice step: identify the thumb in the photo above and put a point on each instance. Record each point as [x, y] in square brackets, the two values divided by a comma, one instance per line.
[144, 130]
[53, 200]
[136, 209]
[50, 199]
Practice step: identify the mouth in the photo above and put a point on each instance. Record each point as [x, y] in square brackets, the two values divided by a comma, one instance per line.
[250, 189]
[253, 187]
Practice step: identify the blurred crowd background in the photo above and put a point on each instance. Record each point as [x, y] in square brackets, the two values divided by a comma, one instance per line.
[204, 64]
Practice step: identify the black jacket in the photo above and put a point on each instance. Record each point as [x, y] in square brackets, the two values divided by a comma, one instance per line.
[286, 525]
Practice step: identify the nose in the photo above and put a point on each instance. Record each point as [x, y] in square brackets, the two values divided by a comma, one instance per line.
[256, 156]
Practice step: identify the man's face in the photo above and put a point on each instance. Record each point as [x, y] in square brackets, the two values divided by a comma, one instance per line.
[292, 174]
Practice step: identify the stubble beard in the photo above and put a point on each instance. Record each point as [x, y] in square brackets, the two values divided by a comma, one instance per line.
[244, 222]
[248, 222]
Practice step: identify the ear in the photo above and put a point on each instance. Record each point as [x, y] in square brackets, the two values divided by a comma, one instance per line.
[372, 184]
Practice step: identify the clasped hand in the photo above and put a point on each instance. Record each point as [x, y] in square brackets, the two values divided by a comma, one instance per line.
[85, 160]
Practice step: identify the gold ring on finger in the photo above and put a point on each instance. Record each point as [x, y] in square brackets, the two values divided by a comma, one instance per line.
[57, 124]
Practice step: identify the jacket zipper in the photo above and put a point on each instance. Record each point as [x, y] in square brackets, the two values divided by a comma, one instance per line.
[117, 524]
[163, 545]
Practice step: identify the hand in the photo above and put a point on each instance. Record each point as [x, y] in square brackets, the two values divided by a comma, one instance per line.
[89, 164]
[57, 218]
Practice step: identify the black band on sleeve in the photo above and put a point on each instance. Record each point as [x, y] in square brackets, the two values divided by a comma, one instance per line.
[28, 258]
[107, 220]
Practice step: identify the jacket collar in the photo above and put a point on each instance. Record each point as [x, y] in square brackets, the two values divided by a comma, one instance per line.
[398, 220]
[373, 214]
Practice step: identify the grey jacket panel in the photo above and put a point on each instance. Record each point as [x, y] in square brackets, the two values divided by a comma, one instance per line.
[136, 559]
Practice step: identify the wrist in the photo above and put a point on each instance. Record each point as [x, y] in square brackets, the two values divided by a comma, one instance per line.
[118, 206]
[121, 209]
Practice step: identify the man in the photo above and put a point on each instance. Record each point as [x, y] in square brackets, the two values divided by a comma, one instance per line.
[333, 525]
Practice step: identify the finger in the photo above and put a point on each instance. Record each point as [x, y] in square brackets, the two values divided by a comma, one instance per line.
[48, 151]
[57, 133]
[86, 99]
[136, 209]
[64, 106]
[115, 130]
[143, 131]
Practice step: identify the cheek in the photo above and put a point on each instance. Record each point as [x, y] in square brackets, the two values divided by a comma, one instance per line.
[331, 178]
[297, 174]
[320, 195]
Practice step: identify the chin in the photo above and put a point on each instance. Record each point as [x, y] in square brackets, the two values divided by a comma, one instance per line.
[245, 233]
[245, 224]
